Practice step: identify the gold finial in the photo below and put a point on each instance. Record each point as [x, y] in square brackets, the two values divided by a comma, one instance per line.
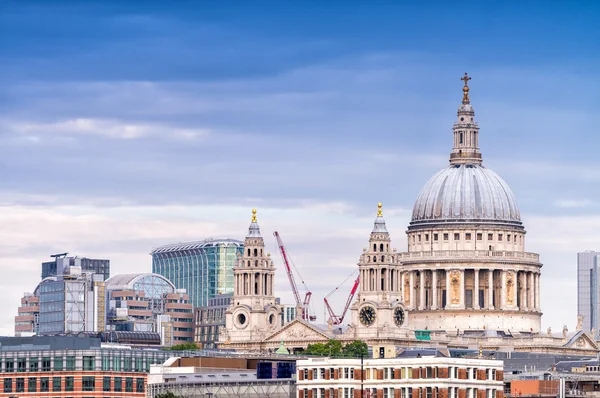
[465, 78]
[253, 215]
[379, 213]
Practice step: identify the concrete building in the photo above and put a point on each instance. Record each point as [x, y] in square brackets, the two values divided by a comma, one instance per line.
[588, 294]
[149, 302]
[63, 261]
[204, 269]
[427, 377]
[209, 320]
[27, 319]
[73, 366]
[288, 313]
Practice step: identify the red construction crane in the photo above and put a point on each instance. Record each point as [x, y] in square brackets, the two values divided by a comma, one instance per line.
[302, 305]
[337, 320]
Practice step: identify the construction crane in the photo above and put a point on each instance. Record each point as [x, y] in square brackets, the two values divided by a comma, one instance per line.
[303, 306]
[337, 320]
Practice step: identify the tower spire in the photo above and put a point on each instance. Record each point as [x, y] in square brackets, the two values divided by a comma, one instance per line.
[254, 230]
[379, 226]
[466, 131]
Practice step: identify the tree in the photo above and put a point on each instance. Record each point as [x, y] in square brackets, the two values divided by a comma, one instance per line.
[167, 394]
[356, 349]
[184, 347]
[331, 348]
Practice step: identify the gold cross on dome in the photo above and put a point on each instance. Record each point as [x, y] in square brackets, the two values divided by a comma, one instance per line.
[465, 78]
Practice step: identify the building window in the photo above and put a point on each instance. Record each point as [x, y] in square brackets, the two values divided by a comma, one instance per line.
[480, 236]
[117, 364]
[500, 237]
[8, 385]
[88, 383]
[33, 364]
[129, 384]
[44, 384]
[46, 364]
[20, 384]
[456, 236]
[69, 383]
[419, 237]
[32, 384]
[70, 363]
[490, 236]
[58, 364]
[139, 365]
[127, 364]
[435, 237]
[468, 236]
[139, 384]
[508, 238]
[118, 384]
[445, 236]
[106, 383]
[9, 365]
[426, 237]
[88, 363]
[105, 363]
[21, 364]
[56, 384]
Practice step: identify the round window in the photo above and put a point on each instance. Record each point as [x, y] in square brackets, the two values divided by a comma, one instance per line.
[271, 319]
[241, 318]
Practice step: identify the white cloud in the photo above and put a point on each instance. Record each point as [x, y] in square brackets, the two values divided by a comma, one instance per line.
[573, 203]
[114, 129]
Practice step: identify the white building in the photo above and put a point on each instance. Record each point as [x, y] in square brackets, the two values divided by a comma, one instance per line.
[426, 377]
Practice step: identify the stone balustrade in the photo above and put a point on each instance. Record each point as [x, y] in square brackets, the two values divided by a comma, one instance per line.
[470, 254]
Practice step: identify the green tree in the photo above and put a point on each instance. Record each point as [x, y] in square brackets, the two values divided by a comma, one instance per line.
[331, 348]
[168, 394]
[184, 347]
[356, 349]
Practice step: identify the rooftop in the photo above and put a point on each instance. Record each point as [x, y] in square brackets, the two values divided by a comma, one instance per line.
[175, 247]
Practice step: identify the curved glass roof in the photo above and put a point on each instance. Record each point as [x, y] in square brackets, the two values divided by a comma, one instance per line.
[197, 245]
[153, 285]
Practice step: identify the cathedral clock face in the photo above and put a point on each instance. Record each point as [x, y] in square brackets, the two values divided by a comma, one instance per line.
[367, 315]
[398, 316]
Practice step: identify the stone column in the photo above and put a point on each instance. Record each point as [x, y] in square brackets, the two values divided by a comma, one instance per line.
[462, 288]
[434, 294]
[490, 289]
[447, 288]
[529, 277]
[537, 292]
[476, 303]
[523, 291]
[412, 289]
[503, 290]
[422, 290]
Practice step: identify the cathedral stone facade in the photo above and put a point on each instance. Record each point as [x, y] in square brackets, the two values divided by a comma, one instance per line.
[465, 279]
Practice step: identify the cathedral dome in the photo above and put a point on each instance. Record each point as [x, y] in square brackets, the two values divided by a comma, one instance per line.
[466, 193]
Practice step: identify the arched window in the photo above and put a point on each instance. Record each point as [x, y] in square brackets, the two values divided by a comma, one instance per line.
[382, 258]
[460, 137]
[249, 253]
[381, 247]
[256, 279]
[255, 252]
[368, 259]
[248, 263]
[374, 247]
[261, 252]
[256, 263]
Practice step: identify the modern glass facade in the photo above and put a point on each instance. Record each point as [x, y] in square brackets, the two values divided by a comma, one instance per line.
[588, 282]
[56, 267]
[209, 320]
[204, 269]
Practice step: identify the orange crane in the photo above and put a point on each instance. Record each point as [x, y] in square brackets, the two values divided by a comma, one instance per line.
[302, 305]
[337, 320]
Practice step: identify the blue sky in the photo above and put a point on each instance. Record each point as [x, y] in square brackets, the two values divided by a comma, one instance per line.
[128, 125]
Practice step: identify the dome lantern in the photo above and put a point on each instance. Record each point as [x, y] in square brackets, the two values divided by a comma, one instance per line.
[466, 132]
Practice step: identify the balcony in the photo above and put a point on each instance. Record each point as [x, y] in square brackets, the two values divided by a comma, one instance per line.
[480, 255]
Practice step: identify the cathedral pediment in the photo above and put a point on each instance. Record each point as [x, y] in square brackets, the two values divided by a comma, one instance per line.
[298, 330]
[582, 340]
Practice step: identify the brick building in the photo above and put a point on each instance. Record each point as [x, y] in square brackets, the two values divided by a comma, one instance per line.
[426, 377]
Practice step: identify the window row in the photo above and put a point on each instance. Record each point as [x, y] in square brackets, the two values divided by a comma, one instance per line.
[57, 384]
[467, 236]
[391, 373]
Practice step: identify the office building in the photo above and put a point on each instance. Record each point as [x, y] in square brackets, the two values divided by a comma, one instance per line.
[149, 303]
[428, 376]
[71, 303]
[63, 261]
[588, 300]
[73, 366]
[209, 320]
[288, 313]
[204, 269]
[27, 319]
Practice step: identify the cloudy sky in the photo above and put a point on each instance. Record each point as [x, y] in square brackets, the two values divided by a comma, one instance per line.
[128, 125]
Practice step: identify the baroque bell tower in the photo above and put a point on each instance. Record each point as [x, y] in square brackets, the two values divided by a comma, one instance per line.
[253, 313]
[378, 309]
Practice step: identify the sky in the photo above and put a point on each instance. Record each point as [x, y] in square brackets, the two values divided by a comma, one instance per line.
[127, 125]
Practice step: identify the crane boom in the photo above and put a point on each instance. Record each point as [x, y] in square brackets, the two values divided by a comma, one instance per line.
[337, 320]
[302, 305]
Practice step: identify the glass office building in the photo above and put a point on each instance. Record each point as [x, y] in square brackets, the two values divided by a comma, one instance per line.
[588, 281]
[88, 265]
[204, 269]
